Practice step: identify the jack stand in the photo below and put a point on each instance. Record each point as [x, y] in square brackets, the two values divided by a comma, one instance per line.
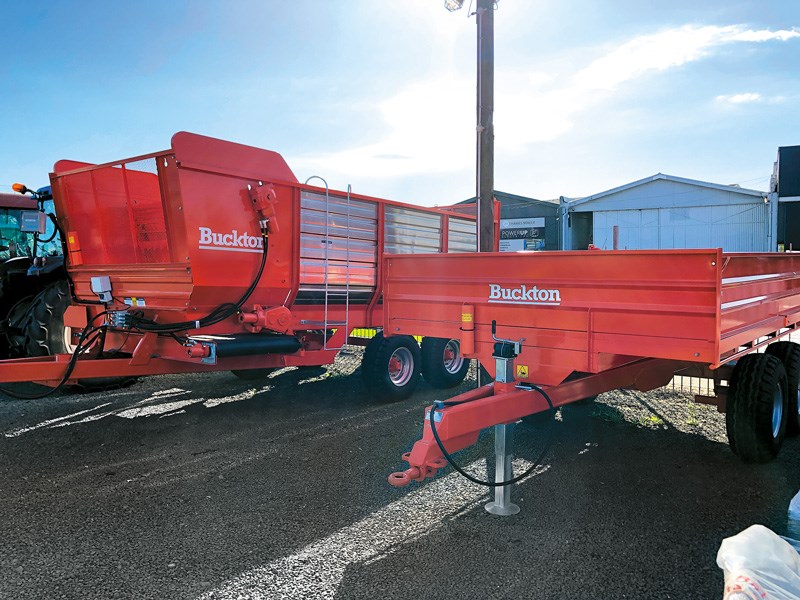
[502, 504]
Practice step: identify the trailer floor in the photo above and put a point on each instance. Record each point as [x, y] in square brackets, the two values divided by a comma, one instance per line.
[210, 487]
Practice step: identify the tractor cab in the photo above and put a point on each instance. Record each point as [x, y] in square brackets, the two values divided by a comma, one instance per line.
[31, 261]
[28, 234]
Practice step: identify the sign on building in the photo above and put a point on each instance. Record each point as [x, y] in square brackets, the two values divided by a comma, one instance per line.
[521, 234]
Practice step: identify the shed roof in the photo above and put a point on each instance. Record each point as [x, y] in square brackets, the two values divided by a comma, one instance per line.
[656, 177]
[501, 196]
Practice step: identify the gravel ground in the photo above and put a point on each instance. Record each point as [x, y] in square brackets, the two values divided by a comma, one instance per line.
[207, 487]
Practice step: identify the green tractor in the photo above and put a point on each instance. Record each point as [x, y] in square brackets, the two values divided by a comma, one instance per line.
[34, 290]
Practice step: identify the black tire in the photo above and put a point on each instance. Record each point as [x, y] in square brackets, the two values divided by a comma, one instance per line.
[43, 326]
[45, 335]
[252, 374]
[443, 366]
[756, 411]
[13, 323]
[382, 374]
[789, 355]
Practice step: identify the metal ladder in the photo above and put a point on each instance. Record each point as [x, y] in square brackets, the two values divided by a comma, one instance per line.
[337, 293]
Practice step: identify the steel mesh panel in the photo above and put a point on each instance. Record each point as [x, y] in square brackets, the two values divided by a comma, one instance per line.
[148, 165]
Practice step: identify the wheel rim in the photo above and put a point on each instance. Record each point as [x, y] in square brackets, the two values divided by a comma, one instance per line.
[401, 367]
[777, 411]
[452, 357]
[69, 346]
[797, 405]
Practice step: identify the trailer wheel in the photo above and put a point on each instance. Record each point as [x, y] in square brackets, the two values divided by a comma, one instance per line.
[45, 334]
[391, 366]
[789, 355]
[443, 365]
[756, 412]
[252, 374]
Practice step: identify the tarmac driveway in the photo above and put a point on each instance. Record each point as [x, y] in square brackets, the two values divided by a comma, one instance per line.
[210, 487]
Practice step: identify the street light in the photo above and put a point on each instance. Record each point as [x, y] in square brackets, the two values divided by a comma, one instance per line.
[485, 143]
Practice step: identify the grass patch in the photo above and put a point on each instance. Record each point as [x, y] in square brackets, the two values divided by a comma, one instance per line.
[651, 421]
[692, 418]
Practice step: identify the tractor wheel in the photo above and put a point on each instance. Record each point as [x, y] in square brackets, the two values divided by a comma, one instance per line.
[14, 336]
[391, 366]
[789, 355]
[757, 407]
[43, 326]
[443, 366]
[45, 334]
[252, 374]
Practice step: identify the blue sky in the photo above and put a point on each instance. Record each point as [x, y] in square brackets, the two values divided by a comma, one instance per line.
[381, 94]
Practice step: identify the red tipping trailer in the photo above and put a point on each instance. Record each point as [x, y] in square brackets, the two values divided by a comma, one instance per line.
[575, 324]
[211, 255]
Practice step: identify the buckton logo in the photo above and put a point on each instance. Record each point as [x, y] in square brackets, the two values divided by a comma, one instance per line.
[523, 294]
[232, 241]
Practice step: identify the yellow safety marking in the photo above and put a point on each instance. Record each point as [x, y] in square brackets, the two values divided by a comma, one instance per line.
[522, 371]
[365, 333]
[466, 317]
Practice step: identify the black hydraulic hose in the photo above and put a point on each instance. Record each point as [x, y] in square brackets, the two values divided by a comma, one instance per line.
[220, 313]
[491, 484]
[56, 230]
[70, 365]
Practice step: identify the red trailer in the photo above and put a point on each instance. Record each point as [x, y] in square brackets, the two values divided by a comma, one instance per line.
[555, 328]
[211, 255]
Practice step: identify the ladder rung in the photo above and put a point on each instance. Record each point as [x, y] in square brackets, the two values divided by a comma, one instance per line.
[339, 293]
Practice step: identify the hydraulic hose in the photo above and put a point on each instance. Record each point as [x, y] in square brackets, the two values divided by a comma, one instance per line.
[491, 484]
[220, 313]
[70, 365]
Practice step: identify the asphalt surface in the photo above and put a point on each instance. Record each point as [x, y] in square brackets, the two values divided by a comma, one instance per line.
[208, 487]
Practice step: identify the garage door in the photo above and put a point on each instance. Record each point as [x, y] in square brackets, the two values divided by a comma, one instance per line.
[734, 228]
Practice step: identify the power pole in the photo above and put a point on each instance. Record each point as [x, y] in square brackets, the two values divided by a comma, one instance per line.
[485, 154]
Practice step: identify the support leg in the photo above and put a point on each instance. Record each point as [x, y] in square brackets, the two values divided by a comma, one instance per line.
[502, 505]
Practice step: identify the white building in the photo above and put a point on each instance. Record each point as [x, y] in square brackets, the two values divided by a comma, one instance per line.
[664, 211]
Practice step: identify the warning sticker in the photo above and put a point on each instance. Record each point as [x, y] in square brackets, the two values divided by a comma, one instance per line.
[522, 371]
[466, 317]
[135, 302]
[437, 416]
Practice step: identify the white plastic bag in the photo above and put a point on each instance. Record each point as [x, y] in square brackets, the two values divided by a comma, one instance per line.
[759, 565]
[793, 518]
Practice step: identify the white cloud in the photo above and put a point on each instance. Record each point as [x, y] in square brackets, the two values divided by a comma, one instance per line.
[762, 35]
[417, 116]
[664, 50]
[746, 98]
[431, 124]
[750, 98]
